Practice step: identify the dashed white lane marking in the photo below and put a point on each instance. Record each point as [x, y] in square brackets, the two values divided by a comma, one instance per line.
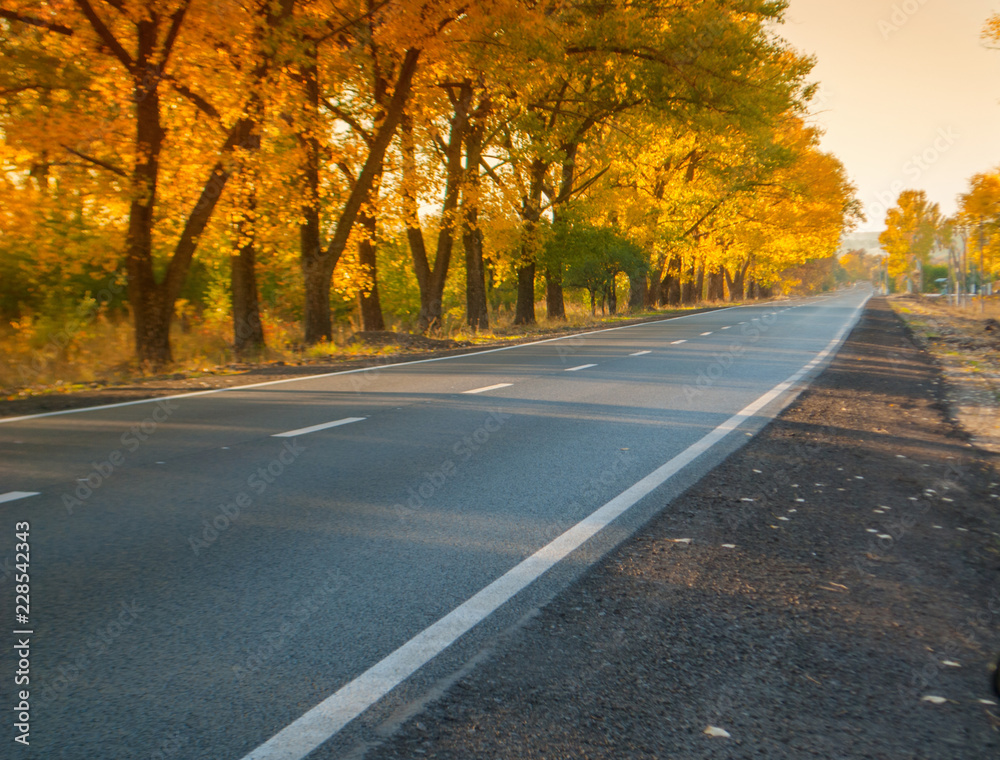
[726, 327]
[378, 368]
[582, 366]
[15, 495]
[489, 388]
[707, 333]
[678, 342]
[319, 724]
[641, 353]
[314, 428]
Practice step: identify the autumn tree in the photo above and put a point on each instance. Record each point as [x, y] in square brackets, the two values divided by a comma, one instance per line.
[145, 109]
[911, 227]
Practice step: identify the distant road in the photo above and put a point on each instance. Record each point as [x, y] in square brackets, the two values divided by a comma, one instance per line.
[207, 570]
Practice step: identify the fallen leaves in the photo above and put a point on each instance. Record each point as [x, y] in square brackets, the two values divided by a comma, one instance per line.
[717, 732]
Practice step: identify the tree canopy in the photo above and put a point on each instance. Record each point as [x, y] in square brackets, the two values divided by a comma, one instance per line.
[325, 160]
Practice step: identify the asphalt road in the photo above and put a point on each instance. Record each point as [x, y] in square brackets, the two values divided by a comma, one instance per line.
[207, 569]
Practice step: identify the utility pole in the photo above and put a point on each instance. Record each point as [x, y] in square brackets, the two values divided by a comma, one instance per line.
[982, 272]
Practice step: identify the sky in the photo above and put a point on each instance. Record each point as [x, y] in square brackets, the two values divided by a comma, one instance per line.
[909, 93]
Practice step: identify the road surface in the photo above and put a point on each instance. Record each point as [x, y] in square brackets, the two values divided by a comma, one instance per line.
[240, 574]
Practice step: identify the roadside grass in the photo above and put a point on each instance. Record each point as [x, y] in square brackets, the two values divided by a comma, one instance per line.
[40, 356]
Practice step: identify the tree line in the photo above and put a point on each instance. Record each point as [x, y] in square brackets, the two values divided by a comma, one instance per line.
[969, 240]
[316, 156]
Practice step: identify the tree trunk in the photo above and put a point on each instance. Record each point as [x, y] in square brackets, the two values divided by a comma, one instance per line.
[638, 292]
[699, 285]
[152, 322]
[248, 332]
[476, 307]
[730, 282]
[674, 291]
[411, 208]
[688, 286]
[524, 313]
[149, 310]
[318, 264]
[531, 212]
[716, 284]
[152, 302]
[736, 283]
[449, 208]
[368, 300]
[654, 291]
[555, 307]
[316, 316]
[316, 279]
[431, 281]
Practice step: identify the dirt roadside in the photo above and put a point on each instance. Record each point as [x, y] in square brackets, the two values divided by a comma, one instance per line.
[966, 344]
[839, 598]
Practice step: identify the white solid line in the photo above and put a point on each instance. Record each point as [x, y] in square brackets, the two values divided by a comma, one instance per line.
[315, 727]
[582, 366]
[678, 342]
[641, 353]
[314, 428]
[489, 388]
[355, 371]
[15, 495]
[707, 333]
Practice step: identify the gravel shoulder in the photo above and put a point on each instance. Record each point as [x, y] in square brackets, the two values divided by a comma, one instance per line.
[842, 567]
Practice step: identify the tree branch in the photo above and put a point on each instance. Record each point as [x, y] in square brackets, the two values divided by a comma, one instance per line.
[348, 174]
[51, 26]
[97, 162]
[175, 27]
[197, 100]
[106, 35]
[348, 120]
[373, 165]
[490, 173]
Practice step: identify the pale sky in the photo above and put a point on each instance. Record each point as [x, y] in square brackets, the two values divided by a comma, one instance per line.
[909, 96]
